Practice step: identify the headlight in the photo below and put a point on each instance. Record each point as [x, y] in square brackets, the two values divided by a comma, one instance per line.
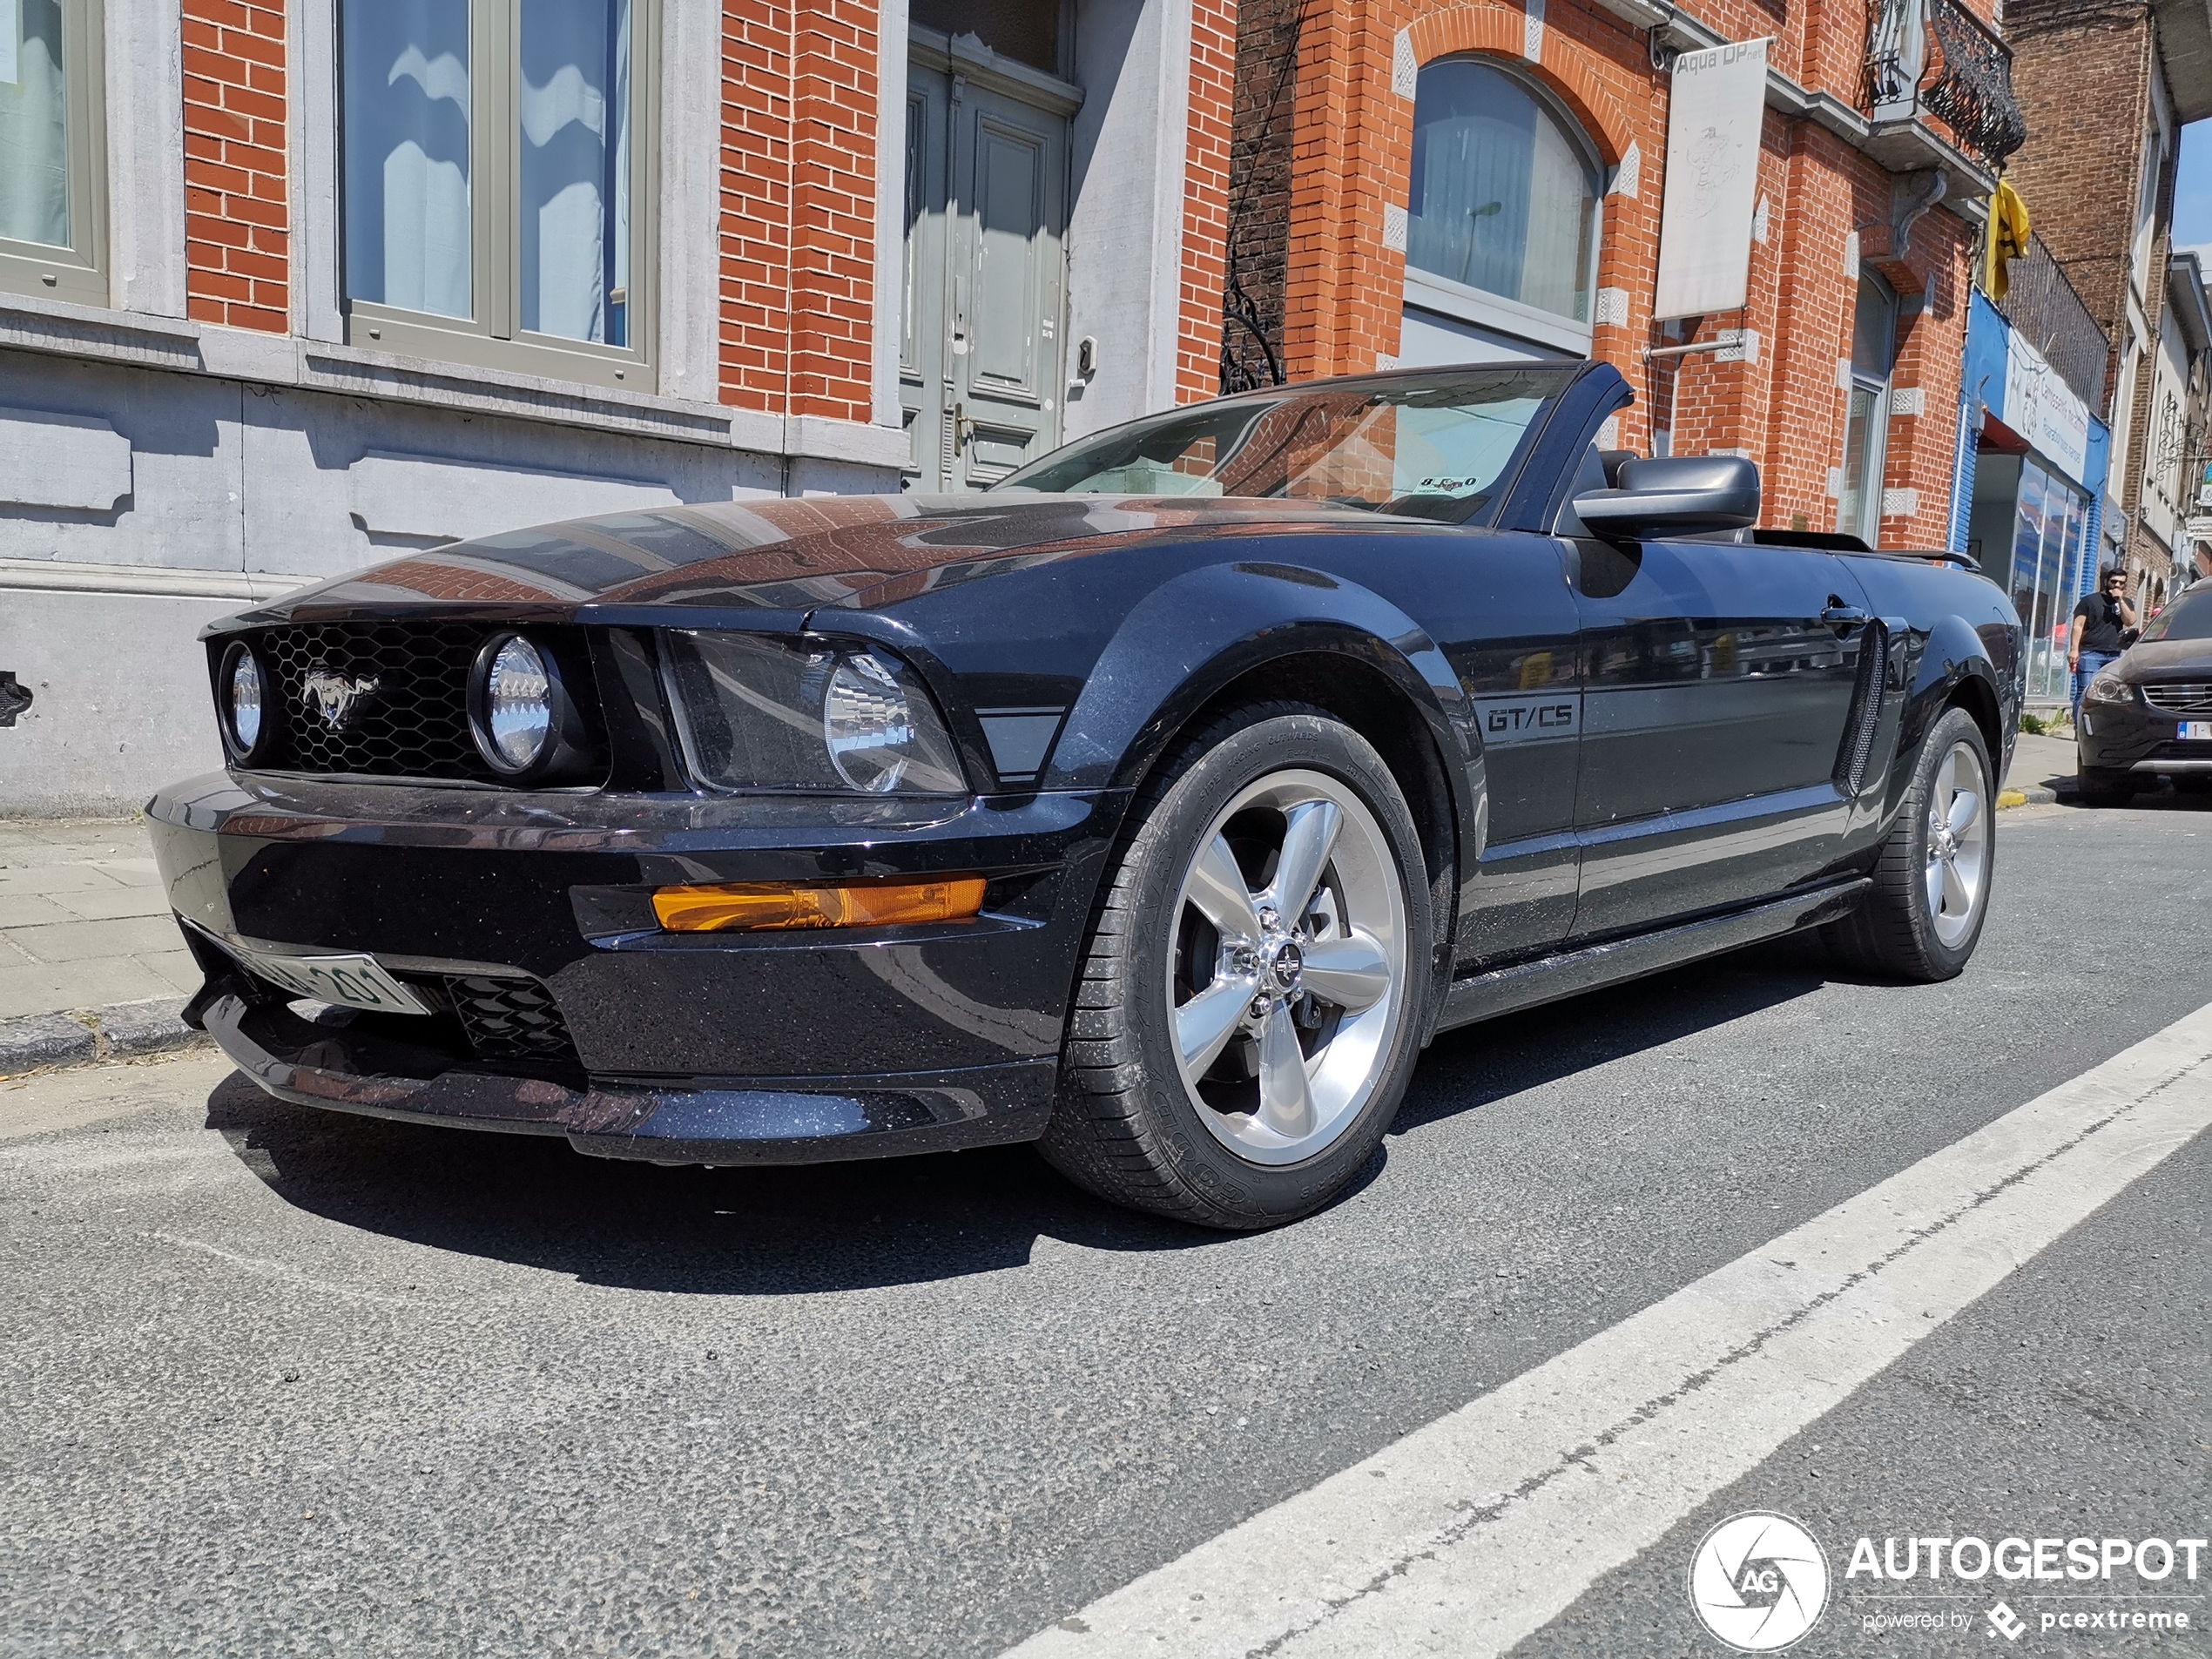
[511, 705]
[2108, 687]
[756, 713]
[243, 711]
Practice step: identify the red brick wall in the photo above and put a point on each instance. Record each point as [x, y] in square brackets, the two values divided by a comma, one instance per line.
[755, 202]
[237, 220]
[833, 239]
[1206, 213]
[797, 238]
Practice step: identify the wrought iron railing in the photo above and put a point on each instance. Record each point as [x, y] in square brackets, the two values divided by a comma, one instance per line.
[2041, 304]
[1936, 57]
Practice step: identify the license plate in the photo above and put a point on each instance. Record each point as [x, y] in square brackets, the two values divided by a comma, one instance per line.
[352, 981]
[2196, 732]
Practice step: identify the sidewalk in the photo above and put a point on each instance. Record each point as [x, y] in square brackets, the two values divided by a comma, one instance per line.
[2042, 769]
[91, 962]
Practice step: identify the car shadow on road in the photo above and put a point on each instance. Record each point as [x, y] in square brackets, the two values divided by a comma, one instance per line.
[785, 1230]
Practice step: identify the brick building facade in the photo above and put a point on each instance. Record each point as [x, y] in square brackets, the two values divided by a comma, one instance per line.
[1848, 183]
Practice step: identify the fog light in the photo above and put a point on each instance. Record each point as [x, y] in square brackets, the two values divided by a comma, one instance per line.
[244, 701]
[743, 907]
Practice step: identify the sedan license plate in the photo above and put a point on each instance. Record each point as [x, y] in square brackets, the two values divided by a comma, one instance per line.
[352, 981]
[2196, 732]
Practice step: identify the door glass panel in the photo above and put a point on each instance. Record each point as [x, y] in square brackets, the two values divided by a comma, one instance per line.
[34, 124]
[1862, 468]
[1010, 214]
[573, 108]
[1504, 194]
[409, 237]
[1028, 31]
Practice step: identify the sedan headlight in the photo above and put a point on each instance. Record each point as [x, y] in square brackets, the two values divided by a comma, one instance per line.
[756, 713]
[2108, 687]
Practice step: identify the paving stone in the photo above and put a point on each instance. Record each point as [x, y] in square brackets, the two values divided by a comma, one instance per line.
[54, 878]
[109, 904]
[51, 987]
[39, 1039]
[180, 968]
[146, 1027]
[30, 910]
[78, 941]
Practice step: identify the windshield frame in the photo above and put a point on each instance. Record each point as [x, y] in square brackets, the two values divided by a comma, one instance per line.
[1481, 510]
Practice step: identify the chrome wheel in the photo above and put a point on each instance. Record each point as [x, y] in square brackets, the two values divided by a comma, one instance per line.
[1286, 967]
[1958, 873]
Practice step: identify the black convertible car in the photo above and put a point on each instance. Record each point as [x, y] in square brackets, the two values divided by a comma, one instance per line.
[1159, 804]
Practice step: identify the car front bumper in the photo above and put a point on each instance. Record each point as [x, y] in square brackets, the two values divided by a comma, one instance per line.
[2134, 738]
[709, 1047]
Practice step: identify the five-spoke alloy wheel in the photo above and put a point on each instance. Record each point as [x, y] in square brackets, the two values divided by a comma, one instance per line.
[1247, 1012]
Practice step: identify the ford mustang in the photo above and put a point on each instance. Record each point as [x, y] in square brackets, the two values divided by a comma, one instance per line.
[1158, 805]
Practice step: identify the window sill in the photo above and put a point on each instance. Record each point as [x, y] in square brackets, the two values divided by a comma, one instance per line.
[28, 323]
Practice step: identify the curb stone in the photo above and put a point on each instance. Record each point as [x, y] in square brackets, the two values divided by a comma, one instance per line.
[2026, 795]
[121, 1030]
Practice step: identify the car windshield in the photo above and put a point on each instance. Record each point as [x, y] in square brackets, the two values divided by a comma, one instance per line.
[2187, 618]
[1433, 445]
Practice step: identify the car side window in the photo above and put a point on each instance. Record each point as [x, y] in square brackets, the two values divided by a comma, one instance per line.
[1589, 475]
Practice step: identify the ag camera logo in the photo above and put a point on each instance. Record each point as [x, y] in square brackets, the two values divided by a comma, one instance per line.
[1758, 1582]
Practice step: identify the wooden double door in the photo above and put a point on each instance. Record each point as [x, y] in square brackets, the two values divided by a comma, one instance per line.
[981, 363]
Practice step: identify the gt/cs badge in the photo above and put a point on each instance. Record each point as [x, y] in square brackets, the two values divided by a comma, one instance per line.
[1527, 720]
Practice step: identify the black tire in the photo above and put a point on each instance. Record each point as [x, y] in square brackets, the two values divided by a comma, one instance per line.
[1894, 931]
[1126, 1127]
[2098, 786]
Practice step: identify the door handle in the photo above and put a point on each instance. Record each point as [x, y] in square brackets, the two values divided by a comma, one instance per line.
[963, 428]
[1843, 617]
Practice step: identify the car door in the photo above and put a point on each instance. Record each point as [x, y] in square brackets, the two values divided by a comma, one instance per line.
[1718, 679]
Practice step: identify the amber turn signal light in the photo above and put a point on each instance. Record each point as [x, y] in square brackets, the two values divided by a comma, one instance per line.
[739, 907]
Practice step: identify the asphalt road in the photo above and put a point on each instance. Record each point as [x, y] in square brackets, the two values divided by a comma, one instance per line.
[279, 1381]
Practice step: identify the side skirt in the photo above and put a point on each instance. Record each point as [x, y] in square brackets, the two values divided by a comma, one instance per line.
[1526, 984]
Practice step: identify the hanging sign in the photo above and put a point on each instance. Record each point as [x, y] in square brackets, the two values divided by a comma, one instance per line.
[2041, 407]
[1714, 116]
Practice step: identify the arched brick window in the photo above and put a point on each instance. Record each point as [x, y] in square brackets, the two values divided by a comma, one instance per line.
[1502, 219]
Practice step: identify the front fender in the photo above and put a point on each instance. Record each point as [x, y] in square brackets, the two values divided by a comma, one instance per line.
[1195, 634]
[1951, 653]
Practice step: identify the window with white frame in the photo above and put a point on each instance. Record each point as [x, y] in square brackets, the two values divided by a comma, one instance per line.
[53, 207]
[1503, 212]
[496, 182]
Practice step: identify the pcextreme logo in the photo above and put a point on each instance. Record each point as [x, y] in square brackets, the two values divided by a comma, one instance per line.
[1758, 1582]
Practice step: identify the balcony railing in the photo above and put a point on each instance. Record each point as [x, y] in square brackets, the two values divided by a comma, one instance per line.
[2043, 307]
[1934, 57]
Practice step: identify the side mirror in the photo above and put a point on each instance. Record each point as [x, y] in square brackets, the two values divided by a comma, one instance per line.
[1673, 495]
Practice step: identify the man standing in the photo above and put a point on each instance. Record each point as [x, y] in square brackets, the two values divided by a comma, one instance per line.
[2094, 640]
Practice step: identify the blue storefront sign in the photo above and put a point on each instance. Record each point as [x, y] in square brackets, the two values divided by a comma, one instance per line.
[2028, 502]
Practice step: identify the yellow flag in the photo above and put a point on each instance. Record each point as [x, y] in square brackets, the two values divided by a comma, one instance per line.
[2008, 234]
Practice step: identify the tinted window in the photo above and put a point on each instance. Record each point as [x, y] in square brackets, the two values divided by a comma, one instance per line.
[1433, 447]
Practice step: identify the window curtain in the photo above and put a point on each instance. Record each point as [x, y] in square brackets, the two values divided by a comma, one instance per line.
[1503, 196]
[574, 106]
[34, 124]
[409, 237]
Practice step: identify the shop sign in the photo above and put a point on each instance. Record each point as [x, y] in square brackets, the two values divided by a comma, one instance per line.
[2041, 407]
[1714, 113]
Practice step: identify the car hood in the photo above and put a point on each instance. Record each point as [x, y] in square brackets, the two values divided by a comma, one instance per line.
[801, 555]
[2160, 659]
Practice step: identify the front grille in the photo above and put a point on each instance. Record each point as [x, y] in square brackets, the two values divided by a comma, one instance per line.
[413, 719]
[510, 1019]
[2181, 697]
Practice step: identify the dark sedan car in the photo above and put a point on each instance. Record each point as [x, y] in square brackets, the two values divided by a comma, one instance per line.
[2149, 715]
[1159, 804]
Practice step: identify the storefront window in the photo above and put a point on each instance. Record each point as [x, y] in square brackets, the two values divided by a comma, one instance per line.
[2049, 531]
[1505, 192]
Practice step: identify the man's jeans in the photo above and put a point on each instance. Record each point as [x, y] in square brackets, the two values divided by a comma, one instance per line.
[2090, 662]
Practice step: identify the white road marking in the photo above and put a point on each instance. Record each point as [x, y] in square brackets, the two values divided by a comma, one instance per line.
[263, 1267]
[1467, 1535]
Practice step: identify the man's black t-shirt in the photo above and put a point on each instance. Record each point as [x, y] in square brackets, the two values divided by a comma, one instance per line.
[2101, 622]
